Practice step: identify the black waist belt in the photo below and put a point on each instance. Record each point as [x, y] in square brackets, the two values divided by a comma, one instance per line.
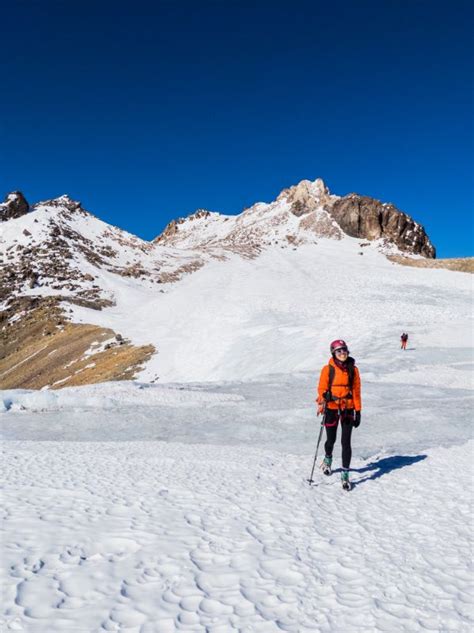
[346, 397]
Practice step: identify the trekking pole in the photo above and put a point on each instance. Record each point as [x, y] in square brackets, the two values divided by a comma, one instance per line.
[310, 480]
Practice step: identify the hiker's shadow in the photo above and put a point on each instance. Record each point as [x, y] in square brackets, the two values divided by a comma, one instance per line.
[385, 465]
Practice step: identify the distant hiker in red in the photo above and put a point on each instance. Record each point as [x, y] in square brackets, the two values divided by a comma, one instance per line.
[404, 340]
[339, 399]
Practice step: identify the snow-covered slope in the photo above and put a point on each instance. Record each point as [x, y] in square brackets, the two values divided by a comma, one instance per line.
[61, 249]
[243, 318]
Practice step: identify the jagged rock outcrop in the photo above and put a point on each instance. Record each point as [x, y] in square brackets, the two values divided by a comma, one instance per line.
[14, 206]
[65, 203]
[367, 218]
[296, 217]
[306, 196]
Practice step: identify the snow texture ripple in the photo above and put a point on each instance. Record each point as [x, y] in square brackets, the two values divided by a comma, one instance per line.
[161, 537]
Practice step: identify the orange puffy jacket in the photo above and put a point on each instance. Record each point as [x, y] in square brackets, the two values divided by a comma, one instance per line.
[340, 388]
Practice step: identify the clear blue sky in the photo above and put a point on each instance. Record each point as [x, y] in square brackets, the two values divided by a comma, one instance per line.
[146, 111]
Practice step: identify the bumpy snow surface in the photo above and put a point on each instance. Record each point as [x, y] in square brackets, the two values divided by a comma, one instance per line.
[205, 521]
[165, 537]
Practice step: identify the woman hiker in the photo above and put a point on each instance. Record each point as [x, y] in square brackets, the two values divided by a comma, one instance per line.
[339, 397]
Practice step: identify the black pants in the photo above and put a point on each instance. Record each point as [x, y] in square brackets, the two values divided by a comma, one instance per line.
[331, 422]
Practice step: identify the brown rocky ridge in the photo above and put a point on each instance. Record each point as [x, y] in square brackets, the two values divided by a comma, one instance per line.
[319, 214]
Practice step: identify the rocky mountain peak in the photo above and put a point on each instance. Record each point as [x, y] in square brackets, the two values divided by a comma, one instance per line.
[67, 201]
[318, 214]
[14, 206]
[63, 203]
[306, 196]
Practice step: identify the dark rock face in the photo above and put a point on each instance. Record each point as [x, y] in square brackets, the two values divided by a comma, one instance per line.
[14, 206]
[365, 217]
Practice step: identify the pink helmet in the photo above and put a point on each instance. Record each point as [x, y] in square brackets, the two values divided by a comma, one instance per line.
[338, 344]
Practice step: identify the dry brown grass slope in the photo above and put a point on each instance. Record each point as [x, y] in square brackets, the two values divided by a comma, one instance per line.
[459, 264]
[42, 349]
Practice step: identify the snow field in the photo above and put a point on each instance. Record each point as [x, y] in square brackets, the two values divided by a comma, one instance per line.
[241, 319]
[150, 537]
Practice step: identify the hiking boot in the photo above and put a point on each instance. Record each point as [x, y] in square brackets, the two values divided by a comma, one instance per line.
[326, 466]
[346, 484]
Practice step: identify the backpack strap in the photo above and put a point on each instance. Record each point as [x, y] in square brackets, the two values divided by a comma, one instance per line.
[332, 373]
[350, 371]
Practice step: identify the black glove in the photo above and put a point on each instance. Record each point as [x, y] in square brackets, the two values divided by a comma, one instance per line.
[357, 419]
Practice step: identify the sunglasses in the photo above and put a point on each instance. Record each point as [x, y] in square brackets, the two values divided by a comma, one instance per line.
[342, 350]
